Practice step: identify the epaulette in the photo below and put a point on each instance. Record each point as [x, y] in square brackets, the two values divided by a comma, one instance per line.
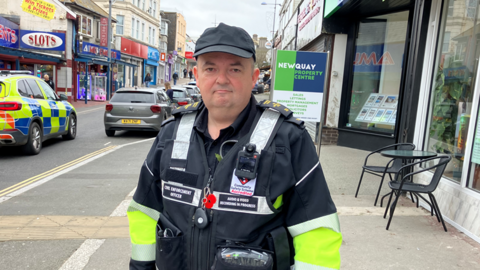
[296, 121]
[166, 121]
[286, 112]
[187, 108]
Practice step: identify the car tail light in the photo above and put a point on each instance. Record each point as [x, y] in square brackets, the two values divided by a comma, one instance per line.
[108, 107]
[10, 106]
[182, 103]
[156, 108]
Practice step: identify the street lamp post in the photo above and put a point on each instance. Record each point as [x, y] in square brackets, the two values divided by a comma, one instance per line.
[273, 31]
[109, 29]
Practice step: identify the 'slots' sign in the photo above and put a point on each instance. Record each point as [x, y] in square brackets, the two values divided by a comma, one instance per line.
[42, 40]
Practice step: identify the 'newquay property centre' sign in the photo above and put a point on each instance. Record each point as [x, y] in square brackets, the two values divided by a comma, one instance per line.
[299, 83]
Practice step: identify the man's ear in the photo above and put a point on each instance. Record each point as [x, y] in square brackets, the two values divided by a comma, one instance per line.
[256, 73]
[195, 73]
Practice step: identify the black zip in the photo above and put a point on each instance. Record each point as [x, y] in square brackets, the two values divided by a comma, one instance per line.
[192, 230]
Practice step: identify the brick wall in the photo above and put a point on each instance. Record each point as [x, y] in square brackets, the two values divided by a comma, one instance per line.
[329, 136]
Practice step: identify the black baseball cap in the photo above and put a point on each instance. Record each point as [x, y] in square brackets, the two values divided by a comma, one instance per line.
[227, 39]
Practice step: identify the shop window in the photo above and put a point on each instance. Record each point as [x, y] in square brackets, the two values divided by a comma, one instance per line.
[377, 73]
[119, 25]
[452, 87]
[23, 89]
[37, 93]
[85, 25]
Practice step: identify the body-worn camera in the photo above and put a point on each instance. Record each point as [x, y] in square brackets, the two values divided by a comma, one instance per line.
[247, 162]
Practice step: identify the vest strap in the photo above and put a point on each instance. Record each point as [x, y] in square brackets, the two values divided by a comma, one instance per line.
[264, 128]
[181, 143]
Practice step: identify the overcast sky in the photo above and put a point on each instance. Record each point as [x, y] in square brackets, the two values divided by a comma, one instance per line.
[248, 14]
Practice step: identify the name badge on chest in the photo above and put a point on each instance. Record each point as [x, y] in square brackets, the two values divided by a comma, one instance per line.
[245, 187]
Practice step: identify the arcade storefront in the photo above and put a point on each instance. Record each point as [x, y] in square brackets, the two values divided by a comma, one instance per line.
[91, 68]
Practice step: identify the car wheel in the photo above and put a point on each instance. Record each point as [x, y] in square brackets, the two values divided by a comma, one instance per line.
[72, 128]
[110, 133]
[34, 142]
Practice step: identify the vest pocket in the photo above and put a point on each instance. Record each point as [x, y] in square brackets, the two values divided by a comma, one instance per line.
[170, 247]
[242, 258]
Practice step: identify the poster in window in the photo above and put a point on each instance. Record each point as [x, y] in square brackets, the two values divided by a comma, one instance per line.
[371, 100]
[390, 102]
[362, 114]
[386, 117]
[393, 118]
[89, 27]
[84, 24]
[370, 114]
[476, 144]
[379, 101]
[378, 115]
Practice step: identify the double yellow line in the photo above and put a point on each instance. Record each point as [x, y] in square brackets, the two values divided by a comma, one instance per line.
[53, 171]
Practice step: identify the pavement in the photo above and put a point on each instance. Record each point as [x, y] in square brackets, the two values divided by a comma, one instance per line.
[80, 227]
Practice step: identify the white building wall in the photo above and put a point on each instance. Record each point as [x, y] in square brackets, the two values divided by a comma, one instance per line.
[336, 80]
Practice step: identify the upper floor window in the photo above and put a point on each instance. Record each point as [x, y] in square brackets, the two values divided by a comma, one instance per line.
[85, 25]
[120, 19]
[154, 9]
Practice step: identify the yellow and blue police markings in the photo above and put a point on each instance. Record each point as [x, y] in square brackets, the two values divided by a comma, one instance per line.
[54, 115]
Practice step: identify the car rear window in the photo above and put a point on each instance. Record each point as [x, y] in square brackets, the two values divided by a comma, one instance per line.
[178, 94]
[191, 91]
[133, 97]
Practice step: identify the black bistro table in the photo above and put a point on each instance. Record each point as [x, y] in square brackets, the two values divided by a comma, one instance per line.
[407, 156]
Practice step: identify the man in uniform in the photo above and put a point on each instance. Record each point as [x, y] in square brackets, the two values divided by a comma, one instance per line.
[46, 78]
[229, 177]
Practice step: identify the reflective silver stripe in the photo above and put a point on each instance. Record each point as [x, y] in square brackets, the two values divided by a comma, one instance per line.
[264, 128]
[306, 266]
[143, 253]
[196, 197]
[182, 139]
[330, 222]
[303, 178]
[134, 206]
[146, 165]
[262, 208]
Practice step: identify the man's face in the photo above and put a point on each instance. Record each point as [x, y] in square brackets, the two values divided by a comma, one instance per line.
[225, 80]
[46, 77]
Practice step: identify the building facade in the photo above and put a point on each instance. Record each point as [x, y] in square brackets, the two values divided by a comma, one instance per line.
[136, 36]
[177, 33]
[163, 48]
[403, 71]
[38, 57]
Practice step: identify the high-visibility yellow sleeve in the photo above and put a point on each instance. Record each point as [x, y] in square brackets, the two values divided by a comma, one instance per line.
[317, 249]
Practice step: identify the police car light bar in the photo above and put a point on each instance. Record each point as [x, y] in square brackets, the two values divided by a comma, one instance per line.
[8, 72]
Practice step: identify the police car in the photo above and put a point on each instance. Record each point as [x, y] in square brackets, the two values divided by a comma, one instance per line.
[31, 112]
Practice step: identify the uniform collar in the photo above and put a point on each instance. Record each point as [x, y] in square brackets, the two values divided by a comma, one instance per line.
[201, 123]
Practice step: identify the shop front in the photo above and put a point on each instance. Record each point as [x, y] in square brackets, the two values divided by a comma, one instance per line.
[169, 68]
[150, 65]
[91, 65]
[35, 51]
[448, 120]
[135, 54]
[377, 98]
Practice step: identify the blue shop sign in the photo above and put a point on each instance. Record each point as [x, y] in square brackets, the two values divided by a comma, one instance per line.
[96, 50]
[42, 40]
[9, 33]
[153, 54]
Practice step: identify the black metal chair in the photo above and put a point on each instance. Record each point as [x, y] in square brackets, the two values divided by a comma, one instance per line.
[406, 186]
[392, 166]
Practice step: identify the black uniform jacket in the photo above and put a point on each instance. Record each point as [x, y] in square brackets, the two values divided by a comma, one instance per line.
[288, 168]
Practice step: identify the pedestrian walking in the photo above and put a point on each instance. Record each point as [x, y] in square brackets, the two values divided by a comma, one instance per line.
[218, 192]
[46, 78]
[169, 90]
[148, 79]
[190, 73]
[184, 73]
[175, 78]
